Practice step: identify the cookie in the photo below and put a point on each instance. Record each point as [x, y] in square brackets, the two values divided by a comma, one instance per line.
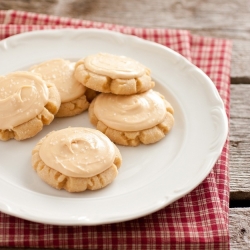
[109, 73]
[76, 159]
[72, 92]
[130, 120]
[27, 103]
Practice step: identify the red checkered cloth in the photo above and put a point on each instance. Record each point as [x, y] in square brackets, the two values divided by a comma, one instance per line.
[197, 221]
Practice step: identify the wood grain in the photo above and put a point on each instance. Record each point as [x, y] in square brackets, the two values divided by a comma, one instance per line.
[240, 141]
[41, 6]
[239, 228]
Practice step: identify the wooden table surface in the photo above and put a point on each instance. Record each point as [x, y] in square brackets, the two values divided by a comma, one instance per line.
[224, 19]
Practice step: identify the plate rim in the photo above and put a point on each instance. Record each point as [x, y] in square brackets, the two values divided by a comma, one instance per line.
[11, 210]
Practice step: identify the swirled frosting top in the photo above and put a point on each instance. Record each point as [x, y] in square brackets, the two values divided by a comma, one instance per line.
[23, 95]
[114, 66]
[78, 151]
[130, 113]
[60, 72]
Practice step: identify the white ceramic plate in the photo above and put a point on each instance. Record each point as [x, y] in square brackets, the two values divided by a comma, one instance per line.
[152, 176]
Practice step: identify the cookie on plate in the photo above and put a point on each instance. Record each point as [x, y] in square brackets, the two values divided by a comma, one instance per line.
[109, 73]
[76, 159]
[27, 103]
[72, 92]
[130, 120]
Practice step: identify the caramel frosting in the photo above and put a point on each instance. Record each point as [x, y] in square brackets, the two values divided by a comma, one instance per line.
[23, 96]
[114, 66]
[130, 113]
[60, 72]
[78, 152]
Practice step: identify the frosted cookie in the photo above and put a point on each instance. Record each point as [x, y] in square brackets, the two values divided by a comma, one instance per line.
[27, 103]
[109, 73]
[76, 159]
[130, 120]
[72, 92]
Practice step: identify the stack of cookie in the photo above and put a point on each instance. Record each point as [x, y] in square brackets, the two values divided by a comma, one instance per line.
[128, 110]
[117, 91]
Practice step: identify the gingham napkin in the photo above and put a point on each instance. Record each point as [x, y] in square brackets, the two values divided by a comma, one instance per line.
[197, 221]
